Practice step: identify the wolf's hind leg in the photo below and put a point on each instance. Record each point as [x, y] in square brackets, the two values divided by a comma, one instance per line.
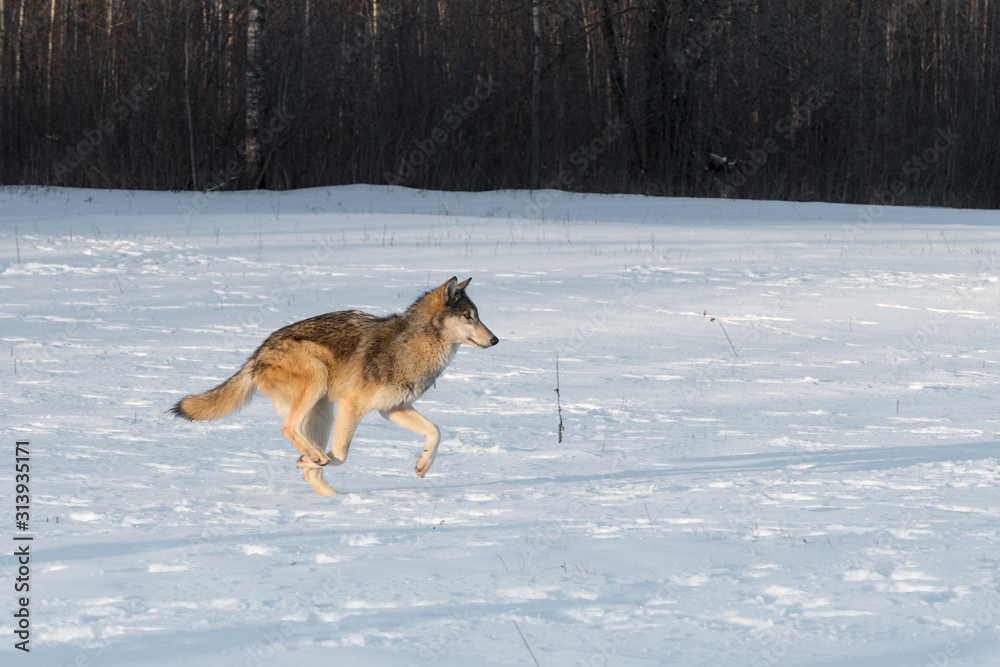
[295, 387]
[318, 425]
[412, 420]
[297, 431]
[314, 475]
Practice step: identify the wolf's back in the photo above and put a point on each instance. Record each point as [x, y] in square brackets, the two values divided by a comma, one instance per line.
[232, 395]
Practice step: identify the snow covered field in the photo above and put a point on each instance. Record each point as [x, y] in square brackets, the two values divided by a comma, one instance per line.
[827, 497]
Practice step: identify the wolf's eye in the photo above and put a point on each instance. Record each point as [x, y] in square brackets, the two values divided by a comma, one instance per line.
[468, 316]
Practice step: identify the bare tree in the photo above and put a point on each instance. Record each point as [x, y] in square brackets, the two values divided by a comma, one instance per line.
[187, 100]
[536, 91]
[256, 18]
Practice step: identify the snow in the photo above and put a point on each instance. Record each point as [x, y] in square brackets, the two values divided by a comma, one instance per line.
[828, 497]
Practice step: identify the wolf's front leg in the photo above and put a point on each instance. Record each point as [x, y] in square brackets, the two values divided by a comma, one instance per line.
[412, 420]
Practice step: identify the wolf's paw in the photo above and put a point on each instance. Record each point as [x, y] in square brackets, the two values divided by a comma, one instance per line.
[315, 478]
[425, 460]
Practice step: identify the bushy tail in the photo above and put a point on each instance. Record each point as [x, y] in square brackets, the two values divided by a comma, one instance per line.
[232, 395]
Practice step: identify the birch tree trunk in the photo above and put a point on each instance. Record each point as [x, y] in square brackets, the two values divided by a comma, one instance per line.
[48, 58]
[18, 47]
[536, 93]
[307, 23]
[111, 61]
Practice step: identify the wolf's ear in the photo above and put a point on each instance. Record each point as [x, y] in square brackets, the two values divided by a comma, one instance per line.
[465, 283]
[449, 288]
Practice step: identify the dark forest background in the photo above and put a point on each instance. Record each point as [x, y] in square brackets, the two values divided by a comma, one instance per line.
[888, 101]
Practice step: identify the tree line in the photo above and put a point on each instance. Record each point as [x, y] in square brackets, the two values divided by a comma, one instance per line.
[869, 101]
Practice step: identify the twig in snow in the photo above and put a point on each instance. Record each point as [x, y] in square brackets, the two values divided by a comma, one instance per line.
[558, 404]
[946, 242]
[502, 562]
[713, 318]
[651, 529]
[526, 643]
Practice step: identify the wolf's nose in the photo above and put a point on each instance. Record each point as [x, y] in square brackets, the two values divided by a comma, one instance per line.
[494, 341]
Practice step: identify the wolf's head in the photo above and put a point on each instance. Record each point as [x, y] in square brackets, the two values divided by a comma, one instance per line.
[455, 316]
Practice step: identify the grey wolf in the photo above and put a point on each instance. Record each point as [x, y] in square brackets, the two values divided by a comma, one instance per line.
[359, 362]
